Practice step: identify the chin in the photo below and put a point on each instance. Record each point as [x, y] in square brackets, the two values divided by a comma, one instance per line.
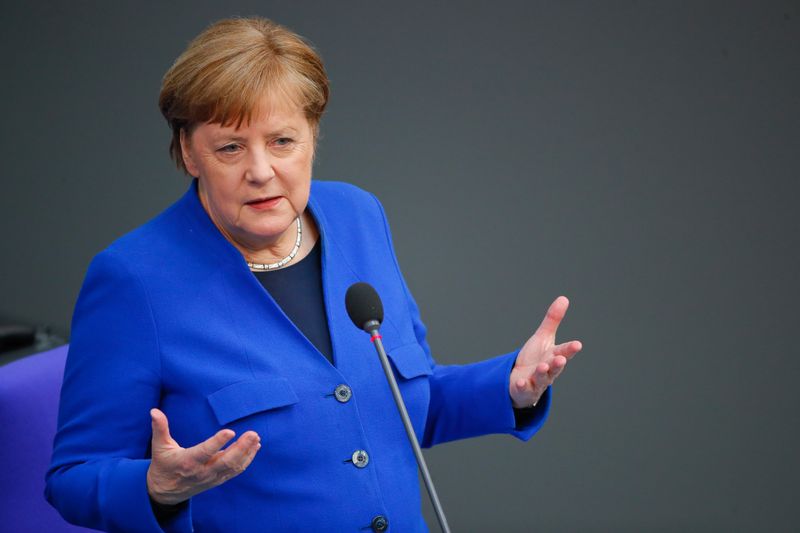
[268, 231]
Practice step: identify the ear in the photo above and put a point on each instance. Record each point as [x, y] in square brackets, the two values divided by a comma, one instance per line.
[186, 153]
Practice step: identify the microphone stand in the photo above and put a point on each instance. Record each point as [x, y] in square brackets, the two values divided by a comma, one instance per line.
[372, 328]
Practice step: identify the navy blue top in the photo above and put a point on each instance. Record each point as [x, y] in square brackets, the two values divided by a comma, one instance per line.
[297, 289]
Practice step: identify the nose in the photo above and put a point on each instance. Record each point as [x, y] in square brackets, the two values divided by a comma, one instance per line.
[260, 170]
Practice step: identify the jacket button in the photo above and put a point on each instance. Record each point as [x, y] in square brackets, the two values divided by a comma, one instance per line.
[360, 458]
[380, 523]
[343, 393]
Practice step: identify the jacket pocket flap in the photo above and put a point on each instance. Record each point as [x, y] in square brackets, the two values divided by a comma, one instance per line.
[248, 397]
[410, 361]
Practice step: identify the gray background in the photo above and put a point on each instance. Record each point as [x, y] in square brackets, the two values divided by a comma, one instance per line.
[639, 157]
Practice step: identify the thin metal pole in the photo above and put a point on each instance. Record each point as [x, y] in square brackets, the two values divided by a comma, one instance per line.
[412, 437]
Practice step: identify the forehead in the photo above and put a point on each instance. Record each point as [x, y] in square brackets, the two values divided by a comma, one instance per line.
[281, 107]
[268, 115]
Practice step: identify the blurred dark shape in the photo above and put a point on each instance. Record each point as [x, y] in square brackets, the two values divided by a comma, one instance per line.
[19, 339]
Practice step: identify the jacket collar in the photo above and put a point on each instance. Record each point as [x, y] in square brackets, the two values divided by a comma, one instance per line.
[211, 240]
[337, 275]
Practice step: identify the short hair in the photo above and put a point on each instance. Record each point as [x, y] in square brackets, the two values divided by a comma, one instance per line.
[230, 67]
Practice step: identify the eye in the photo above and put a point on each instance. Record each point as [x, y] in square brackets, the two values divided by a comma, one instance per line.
[282, 142]
[229, 149]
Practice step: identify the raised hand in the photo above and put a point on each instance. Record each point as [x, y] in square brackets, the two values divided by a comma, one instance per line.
[541, 360]
[176, 474]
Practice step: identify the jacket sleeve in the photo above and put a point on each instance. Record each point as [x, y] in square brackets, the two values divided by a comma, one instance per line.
[97, 476]
[473, 399]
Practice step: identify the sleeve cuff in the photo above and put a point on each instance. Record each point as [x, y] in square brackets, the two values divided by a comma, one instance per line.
[528, 421]
[525, 426]
[472, 400]
[128, 503]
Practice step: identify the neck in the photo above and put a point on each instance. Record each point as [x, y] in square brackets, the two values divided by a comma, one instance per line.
[298, 240]
[280, 247]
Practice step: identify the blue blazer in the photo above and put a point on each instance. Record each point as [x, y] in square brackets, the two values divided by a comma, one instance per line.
[170, 316]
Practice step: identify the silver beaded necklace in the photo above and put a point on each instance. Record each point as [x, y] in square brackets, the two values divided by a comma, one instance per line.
[262, 267]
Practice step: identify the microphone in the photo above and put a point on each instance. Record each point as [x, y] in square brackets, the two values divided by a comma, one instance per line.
[365, 309]
[364, 306]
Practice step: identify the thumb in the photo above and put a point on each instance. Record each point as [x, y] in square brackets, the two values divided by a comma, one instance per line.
[161, 436]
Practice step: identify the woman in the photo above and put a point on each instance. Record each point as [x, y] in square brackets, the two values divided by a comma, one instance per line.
[225, 316]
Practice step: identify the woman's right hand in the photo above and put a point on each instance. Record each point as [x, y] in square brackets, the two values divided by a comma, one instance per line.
[176, 474]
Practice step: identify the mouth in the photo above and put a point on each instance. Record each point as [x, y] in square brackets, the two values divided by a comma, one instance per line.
[264, 203]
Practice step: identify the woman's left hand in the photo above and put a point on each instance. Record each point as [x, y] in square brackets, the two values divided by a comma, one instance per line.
[541, 360]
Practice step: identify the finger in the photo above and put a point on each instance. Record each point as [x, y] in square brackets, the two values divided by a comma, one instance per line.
[160, 424]
[525, 387]
[557, 366]
[249, 456]
[246, 442]
[206, 450]
[541, 374]
[540, 378]
[238, 456]
[568, 349]
[555, 313]
[252, 450]
[536, 385]
[523, 395]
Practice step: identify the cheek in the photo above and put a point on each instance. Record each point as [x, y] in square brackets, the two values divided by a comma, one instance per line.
[224, 199]
[298, 182]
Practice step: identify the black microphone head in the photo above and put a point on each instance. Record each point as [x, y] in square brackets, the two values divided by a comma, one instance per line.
[363, 305]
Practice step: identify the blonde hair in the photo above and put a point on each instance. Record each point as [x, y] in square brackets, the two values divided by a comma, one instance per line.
[227, 70]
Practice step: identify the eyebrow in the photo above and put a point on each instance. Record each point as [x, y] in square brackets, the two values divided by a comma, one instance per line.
[239, 138]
